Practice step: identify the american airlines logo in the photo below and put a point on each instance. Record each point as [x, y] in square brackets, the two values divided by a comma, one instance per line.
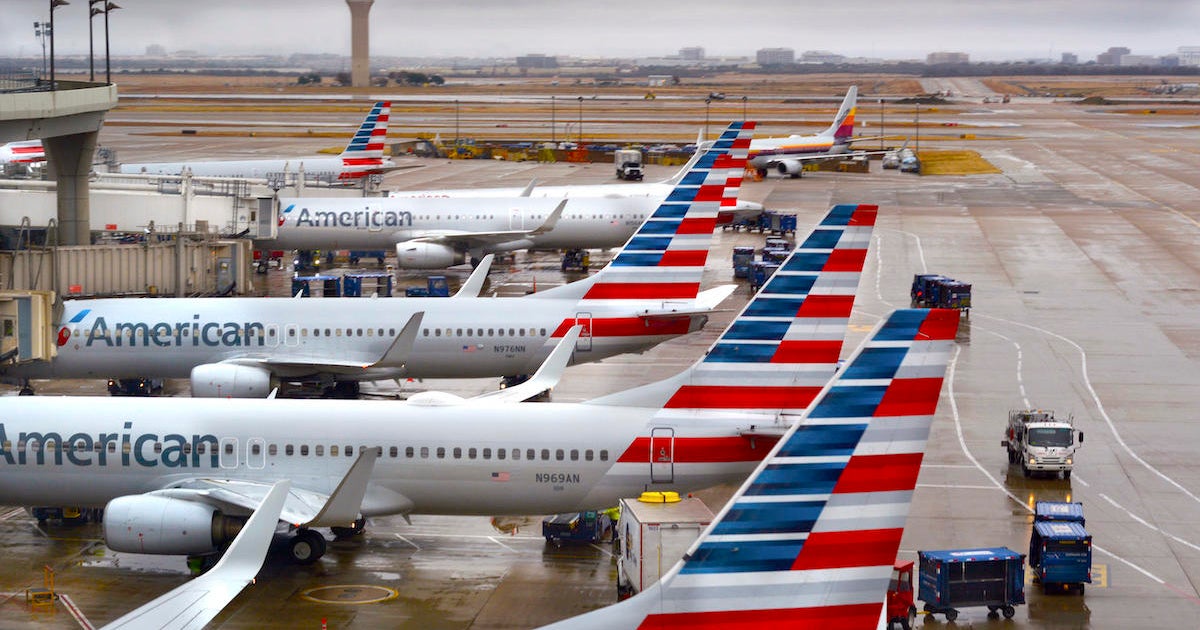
[173, 334]
[126, 448]
[351, 218]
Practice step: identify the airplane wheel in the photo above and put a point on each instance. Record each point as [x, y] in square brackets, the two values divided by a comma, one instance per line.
[307, 546]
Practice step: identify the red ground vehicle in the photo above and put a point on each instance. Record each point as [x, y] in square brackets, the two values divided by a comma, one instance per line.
[901, 607]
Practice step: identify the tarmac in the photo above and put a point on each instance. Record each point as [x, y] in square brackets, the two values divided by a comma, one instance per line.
[1084, 259]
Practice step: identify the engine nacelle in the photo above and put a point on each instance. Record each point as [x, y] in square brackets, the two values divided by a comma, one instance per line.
[790, 167]
[162, 525]
[230, 380]
[421, 255]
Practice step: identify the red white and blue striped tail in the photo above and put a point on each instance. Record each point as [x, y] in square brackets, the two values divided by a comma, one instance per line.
[784, 346]
[810, 538]
[364, 154]
[665, 258]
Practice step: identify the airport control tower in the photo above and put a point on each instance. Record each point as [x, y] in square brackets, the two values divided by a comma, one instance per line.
[360, 48]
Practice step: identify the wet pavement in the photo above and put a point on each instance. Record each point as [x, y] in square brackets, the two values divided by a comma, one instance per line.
[1086, 270]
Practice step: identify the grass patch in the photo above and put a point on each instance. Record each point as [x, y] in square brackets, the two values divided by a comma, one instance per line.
[955, 163]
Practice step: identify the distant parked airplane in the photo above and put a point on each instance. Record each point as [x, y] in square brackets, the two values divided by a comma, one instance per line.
[362, 156]
[788, 154]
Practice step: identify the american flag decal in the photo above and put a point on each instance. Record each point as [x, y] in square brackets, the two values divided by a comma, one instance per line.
[499, 476]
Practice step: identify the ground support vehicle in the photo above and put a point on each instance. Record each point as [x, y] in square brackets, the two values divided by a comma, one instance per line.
[743, 261]
[654, 531]
[435, 286]
[629, 164]
[331, 286]
[1060, 549]
[376, 283]
[901, 607]
[588, 527]
[930, 290]
[135, 386]
[960, 578]
[1040, 442]
[576, 260]
[760, 273]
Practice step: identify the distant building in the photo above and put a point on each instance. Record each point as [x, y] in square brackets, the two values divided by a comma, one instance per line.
[775, 56]
[156, 50]
[530, 62]
[1189, 55]
[940, 58]
[1137, 60]
[692, 53]
[1070, 59]
[820, 56]
[1113, 56]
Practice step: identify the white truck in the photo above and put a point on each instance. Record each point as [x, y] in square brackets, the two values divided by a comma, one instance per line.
[654, 532]
[629, 164]
[1040, 442]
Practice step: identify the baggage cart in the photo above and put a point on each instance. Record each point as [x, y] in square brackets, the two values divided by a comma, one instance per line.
[961, 578]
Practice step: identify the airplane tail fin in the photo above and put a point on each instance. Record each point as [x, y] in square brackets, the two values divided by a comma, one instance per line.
[784, 345]
[665, 257]
[809, 539]
[365, 150]
[843, 124]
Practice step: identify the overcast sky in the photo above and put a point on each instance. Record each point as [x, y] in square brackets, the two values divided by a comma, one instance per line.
[985, 29]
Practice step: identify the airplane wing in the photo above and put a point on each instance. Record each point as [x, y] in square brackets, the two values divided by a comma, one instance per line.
[395, 356]
[195, 603]
[301, 507]
[469, 240]
[474, 283]
[545, 378]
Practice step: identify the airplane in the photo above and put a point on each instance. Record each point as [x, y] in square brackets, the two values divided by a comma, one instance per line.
[810, 538]
[362, 156]
[788, 154]
[23, 152]
[176, 476]
[245, 347]
[440, 228]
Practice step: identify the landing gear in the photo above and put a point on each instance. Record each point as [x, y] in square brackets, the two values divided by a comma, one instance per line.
[345, 390]
[355, 530]
[26, 388]
[307, 546]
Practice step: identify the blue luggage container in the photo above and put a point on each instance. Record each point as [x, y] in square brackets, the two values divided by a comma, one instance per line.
[1060, 549]
[961, 578]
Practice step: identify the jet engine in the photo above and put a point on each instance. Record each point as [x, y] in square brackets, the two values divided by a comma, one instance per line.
[793, 168]
[162, 525]
[421, 255]
[230, 380]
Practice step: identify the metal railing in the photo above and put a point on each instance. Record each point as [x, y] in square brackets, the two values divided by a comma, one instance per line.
[13, 80]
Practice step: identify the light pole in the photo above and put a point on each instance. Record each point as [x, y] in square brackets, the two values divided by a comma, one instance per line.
[917, 117]
[881, 107]
[707, 101]
[108, 8]
[54, 4]
[552, 123]
[456, 124]
[580, 145]
[42, 30]
[92, 13]
[743, 109]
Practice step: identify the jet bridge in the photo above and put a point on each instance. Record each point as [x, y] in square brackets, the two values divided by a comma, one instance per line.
[26, 318]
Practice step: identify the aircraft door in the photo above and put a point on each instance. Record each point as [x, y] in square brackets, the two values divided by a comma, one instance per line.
[291, 335]
[229, 452]
[516, 219]
[662, 455]
[584, 343]
[256, 453]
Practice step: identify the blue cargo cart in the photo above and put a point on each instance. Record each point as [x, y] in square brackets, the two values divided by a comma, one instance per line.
[331, 286]
[589, 527]
[922, 287]
[743, 260]
[1060, 549]
[760, 273]
[961, 578]
[370, 283]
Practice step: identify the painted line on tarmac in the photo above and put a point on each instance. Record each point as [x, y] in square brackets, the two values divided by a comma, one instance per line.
[506, 547]
[1143, 522]
[75, 612]
[955, 486]
[951, 372]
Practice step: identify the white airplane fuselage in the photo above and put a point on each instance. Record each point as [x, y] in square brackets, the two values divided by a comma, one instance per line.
[110, 338]
[461, 459]
[764, 151]
[331, 167]
[381, 223]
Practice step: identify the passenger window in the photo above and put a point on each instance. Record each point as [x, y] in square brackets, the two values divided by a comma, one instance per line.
[316, 332]
[471, 453]
[289, 450]
[157, 447]
[273, 450]
[359, 331]
[516, 453]
[391, 332]
[426, 331]
[511, 333]
[349, 451]
[480, 332]
[558, 454]
[491, 332]
[349, 332]
[333, 450]
[501, 453]
[229, 448]
[469, 331]
[487, 453]
[441, 452]
[393, 452]
[546, 453]
[380, 332]
[408, 452]
[437, 332]
[574, 455]
[460, 332]
[530, 454]
[291, 332]
[521, 332]
[588, 454]
[303, 332]
[457, 452]
[326, 332]
[603, 454]
[303, 450]
[424, 452]
[542, 332]
[319, 450]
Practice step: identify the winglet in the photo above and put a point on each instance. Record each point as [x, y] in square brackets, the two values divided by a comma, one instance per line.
[474, 283]
[528, 191]
[195, 603]
[545, 378]
[551, 220]
[710, 298]
[344, 504]
[397, 353]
